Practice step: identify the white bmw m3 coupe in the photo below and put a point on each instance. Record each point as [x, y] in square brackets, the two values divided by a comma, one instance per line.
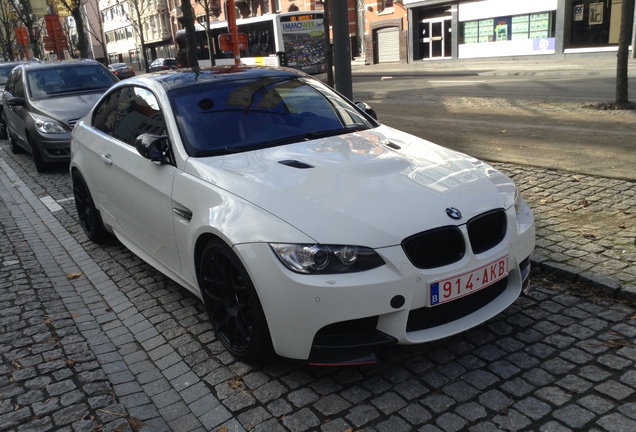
[307, 228]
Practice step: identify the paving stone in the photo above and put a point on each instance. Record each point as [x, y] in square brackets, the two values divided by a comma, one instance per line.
[302, 420]
[533, 408]
[573, 416]
[131, 343]
[615, 390]
[415, 414]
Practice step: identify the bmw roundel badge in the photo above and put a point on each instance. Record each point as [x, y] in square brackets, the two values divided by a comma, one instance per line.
[453, 213]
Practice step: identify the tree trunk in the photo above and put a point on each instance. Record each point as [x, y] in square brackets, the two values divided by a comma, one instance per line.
[624, 38]
[82, 43]
[191, 39]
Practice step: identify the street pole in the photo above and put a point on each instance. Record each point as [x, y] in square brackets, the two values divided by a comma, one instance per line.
[341, 48]
[231, 22]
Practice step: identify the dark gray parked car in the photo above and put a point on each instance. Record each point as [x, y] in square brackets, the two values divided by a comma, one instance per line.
[43, 101]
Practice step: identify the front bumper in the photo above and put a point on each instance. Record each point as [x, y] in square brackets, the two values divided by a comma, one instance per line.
[327, 319]
[53, 147]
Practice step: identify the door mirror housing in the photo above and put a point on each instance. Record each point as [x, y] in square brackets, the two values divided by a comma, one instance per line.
[154, 147]
[15, 101]
[367, 109]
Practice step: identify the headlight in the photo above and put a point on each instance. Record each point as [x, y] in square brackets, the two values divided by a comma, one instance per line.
[326, 259]
[47, 125]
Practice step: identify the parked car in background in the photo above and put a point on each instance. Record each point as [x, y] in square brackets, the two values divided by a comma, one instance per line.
[306, 226]
[122, 70]
[43, 101]
[163, 64]
[5, 71]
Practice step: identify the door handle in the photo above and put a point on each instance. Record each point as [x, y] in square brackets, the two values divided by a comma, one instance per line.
[106, 159]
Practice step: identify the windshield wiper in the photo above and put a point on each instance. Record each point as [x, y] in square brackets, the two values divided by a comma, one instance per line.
[311, 135]
[77, 90]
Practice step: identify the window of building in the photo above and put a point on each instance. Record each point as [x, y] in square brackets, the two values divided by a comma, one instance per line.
[528, 26]
[592, 23]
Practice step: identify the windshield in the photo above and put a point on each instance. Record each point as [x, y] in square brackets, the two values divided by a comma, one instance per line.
[61, 80]
[243, 115]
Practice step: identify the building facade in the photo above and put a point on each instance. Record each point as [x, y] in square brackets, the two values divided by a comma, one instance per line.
[125, 23]
[441, 29]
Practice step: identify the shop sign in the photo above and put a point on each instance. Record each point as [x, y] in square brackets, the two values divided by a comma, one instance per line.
[39, 8]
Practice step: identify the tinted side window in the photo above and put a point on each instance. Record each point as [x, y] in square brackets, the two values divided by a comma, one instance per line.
[18, 88]
[106, 112]
[12, 83]
[138, 112]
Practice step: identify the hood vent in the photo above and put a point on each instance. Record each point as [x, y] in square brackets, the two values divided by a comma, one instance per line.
[295, 164]
[392, 145]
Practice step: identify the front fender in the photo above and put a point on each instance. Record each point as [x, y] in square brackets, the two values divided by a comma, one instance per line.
[205, 209]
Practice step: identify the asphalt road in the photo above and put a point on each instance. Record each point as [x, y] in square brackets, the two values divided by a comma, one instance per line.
[540, 125]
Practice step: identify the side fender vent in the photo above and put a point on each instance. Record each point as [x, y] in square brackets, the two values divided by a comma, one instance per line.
[295, 164]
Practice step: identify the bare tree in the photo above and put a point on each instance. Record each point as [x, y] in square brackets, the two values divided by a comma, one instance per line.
[97, 33]
[190, 32]
[75, 8]
[136, 20]
[8, 20]
[624, 39]
[67, 29]
[24, 13]
[210, 7]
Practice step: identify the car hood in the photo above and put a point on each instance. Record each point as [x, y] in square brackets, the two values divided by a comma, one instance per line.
[371, 188]
[66, 108]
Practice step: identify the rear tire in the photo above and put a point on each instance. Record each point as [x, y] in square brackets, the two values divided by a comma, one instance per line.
[89, 217]
[232, 304]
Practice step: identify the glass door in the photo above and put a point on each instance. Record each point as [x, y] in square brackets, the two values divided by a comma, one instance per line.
[435, 38]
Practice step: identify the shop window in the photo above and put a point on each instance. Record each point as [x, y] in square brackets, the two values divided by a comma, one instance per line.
[530, 26]
[592, 23]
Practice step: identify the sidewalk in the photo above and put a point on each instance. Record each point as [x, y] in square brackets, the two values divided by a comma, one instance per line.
[597, 64]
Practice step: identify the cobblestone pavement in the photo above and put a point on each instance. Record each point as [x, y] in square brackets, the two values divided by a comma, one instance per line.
[93, 339]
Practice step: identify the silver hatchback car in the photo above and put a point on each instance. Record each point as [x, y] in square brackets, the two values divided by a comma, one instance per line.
[43, 101]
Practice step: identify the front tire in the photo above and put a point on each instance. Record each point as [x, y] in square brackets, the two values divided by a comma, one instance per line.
[232, 304]
[13, 145]
[89, 217]
[40, 165]
[3, 128]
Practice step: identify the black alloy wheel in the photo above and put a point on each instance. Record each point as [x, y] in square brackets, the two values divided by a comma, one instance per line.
[232, 304]
[89, 217]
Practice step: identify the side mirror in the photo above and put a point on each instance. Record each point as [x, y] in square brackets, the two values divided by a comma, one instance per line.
[15, 101]
[367, 109]
[153, 147]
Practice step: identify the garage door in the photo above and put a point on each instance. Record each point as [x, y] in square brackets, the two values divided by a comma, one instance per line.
[389, 45]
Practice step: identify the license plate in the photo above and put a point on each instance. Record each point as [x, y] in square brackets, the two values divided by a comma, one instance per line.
[454, 287]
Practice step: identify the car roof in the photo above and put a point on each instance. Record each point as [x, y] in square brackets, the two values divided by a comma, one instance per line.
[12, 64]
[171, 80]
[63, 63]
